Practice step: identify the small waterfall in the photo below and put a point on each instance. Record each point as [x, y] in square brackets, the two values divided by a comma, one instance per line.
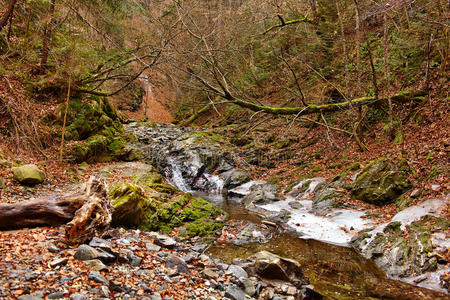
[176, 177]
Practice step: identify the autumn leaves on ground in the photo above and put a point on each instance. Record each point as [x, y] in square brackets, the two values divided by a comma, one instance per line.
[72, 74]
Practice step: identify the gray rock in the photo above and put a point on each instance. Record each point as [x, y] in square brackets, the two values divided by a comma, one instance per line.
[78, 297]
[152, 247]
[97, 277]
[58, 262]
[86, 252]
[262, 194]
[248, 286]
[31, 297]
[295, 204]
[237, 271]
[155, 296]
[210, 273]
[56, 295]
[234, 178]
[165, 241]
[28, 174]
[104, 291]
[381, 182]
[174, 261]
[234, 292]
[98, 242]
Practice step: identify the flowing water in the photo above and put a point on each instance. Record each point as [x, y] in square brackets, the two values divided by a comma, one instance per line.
[336, 271]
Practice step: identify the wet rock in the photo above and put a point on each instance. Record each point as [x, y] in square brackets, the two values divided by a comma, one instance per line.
[400, 250]
[271, 266]
[324, 198]
[380, 182]
[261, 194]
[234, 292]
[28, 174]
[295, 205]
[96, 264]
[97, 277]
[307, 187]
[234, 178]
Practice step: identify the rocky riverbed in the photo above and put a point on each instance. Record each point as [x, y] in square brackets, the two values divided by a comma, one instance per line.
[196, 160]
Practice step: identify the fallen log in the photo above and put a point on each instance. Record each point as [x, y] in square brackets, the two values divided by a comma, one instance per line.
[86, 212]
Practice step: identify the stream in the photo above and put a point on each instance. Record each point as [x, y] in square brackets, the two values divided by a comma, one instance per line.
[335, 270]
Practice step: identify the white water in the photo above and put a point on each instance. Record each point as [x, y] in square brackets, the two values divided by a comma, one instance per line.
[177, 177]
[337, 227]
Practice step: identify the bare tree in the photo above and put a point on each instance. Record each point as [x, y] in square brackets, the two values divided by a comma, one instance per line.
[7, 14]
[387, 74]
[46, 41]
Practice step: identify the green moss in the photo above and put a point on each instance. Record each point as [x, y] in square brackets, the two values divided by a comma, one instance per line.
[393, 227]
[197, 215]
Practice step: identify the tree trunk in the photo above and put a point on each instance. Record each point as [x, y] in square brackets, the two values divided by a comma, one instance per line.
[332, 107]
[88, 211]
[358, 47]
[47, 36]
[7, 15]
[387, 74]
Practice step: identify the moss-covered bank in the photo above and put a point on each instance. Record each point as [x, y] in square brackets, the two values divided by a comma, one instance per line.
[152, 205]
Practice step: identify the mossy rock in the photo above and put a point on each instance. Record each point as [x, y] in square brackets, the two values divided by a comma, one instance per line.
[380, 182]
[129, 202]
[161, 207]
[28, 174]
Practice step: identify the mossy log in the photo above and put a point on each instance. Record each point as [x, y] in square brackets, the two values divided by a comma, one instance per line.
[197, 114]
[86, 211]
[402, 97]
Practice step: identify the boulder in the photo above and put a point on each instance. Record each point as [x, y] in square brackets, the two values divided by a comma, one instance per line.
[381, 182]
[28, 174]
[234, 178]
[129, 201]
[271, 266]
[262, 194]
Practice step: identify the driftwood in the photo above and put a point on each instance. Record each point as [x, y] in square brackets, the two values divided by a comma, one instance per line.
[86, 212]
